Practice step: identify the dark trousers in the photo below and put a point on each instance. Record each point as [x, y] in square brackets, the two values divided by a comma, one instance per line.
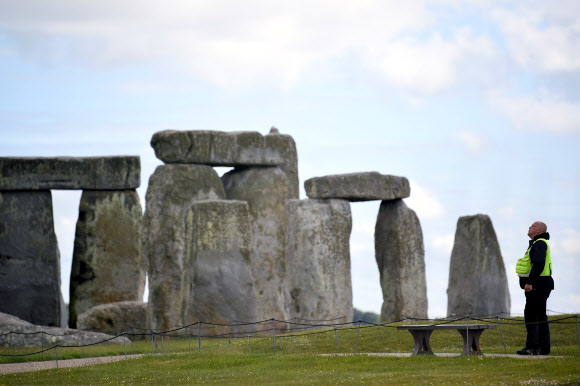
[537, 320]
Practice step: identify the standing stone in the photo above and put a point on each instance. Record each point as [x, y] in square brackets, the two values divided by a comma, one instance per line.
[319, 259]
[400, 258]
[477, 279]
[107, 262]
[172, 190]
[286, 146]
[29, 259]
[219, 287]
[266, 190]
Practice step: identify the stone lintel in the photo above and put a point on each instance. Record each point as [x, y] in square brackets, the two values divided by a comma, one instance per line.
[364, 186]
[86, 173]
[218, 148]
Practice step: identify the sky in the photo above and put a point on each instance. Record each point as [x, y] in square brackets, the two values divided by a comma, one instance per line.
[476, 102]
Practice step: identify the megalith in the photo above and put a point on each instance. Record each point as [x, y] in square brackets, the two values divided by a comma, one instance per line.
[362, 186]
[116, 318]
[29, 259]
[318, 260]
[172, 190]
[219, 287]
[400, 256]
[478, 283]
[91, 173]
[218, 148]
[266, 190]
[107, 264]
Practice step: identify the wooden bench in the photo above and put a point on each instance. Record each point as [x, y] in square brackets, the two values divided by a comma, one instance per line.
[422, 333]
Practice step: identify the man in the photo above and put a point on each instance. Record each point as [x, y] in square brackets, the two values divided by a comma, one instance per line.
[535, 271]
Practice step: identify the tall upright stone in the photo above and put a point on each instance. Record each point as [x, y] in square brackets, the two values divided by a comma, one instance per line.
[318, 259]
[218, 283]
[478, 283]
[266, 190]
[107, 265]
[172, 190]
[400, 256]
[29, 259]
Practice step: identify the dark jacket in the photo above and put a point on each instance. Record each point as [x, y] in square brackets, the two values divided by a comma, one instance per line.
[538, 260]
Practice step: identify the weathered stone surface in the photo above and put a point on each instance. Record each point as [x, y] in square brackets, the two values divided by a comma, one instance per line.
[477, 279]
[219, 287]
[28, 335]
[116, 318]
[217, 148]
[318, 261]
[266, 190]
[88, 173]
[400, 256]
[29, 259]
[171, 191]
[108, 265]
[365, 186]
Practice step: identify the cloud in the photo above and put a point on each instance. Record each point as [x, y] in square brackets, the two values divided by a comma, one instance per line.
[540, 40]
[444, 243]
[476, 143]
[571, 244]
[507, 211]
[424, 202]
[543, 111]
[235, 44]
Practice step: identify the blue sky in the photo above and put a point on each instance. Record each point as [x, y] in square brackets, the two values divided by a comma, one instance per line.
[476, 102]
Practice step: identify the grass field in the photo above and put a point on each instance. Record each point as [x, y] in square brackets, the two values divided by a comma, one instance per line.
[298, 361]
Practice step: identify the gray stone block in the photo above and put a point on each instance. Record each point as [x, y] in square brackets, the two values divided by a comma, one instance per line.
[29, 259]
[400, 256]
[116, 318]
[218, 148]
[31, 335]
[266, 190]
[88, 173]
[318, 260]
[478, 283]
[107, 265]
[366, 186]
[218, 283]
[171, 191]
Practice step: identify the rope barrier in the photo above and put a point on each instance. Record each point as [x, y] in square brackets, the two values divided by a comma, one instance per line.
[294, 326]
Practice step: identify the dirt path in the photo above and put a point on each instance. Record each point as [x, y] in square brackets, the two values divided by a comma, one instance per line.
[9, 368]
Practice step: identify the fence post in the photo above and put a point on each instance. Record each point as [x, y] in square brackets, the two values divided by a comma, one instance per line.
[467, 336]
[290, 343]
[42, 342]
[169, 342]
[162, 342]
[132, 337]
[250, 341]
[56, 353]
[499, 326]
[152, 345]
[274, 335]
[336, 339]
[235, 321]
[577, 333]
[83, 342]
[199, 334]
[125, 344]
[357, 335]
[11, 353]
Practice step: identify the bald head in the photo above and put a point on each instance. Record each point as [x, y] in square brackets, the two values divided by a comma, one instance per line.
[537, 228]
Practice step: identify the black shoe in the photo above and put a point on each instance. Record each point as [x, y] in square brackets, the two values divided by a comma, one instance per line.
[544, 352]
[527, 351]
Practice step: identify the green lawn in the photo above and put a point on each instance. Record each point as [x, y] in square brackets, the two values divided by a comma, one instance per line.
[228, 361]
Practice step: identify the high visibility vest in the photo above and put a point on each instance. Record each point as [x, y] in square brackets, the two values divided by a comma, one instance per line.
[524, 265]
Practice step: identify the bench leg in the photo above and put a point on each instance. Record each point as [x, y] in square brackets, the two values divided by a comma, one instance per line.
[473, 343]
[421, 338]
